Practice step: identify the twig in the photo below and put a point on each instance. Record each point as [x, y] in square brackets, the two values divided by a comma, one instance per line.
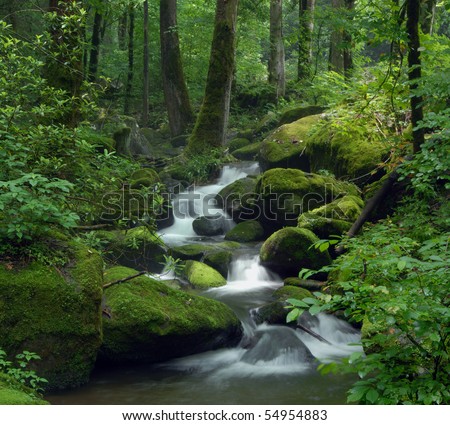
[125, 279]
[312, 333]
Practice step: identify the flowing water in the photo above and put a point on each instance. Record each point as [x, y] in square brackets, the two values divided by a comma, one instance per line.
[272, 365]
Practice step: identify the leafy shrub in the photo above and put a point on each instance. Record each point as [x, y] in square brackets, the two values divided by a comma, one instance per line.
[19, 370]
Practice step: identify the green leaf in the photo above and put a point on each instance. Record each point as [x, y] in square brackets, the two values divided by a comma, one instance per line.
[401, 265]
[293, 315]
[372, 395]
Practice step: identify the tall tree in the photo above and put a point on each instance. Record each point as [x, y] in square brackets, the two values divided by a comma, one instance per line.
[145, 91]
[414, 71]
[175, 90]
[305, 34]
[340, 59]
[95, 44]
[130, 74]
[212, 121]
[276, 56]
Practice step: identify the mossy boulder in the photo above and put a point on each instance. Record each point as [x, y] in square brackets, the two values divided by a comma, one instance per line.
[54, 312]
[194, 251]
[247, 153]
[202, 276]
[287, 251]
[219, 261]
[14, 393]
[284, 194]
[294, 114]
[334, 218]
[247, 231]
[138, 248]
[285, 147]
[347, 149]
[238, 143]
[144, 178]
[239, 199]
[150, 322]
[275, 312]
[309, 284]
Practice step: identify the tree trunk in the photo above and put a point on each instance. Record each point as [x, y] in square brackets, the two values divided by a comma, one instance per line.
[212, 121]
[130, 75]
[145, 90]
[415, 71]
[306, 29]
[95, 46]
[175, 90]
[428, 15]
[276, 57]
[122, 30]
[340, 59]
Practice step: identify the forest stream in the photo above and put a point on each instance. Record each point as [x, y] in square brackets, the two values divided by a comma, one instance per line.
[273, 364]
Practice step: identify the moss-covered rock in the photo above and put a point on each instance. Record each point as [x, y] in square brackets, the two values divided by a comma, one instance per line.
[219, 261]
[202, 276]
[138, 248]
[350, 150]
[247, 153]
[309, 284]
[14, 393]
[247, 231]
[294, 114]
[192, 251]
[55, 313]
[144, 178]
[239, 199]
[284, 194]
[334, 218]
[288, 250]
[285, 147]
[275, 312]
[238, 143]
[150, 322]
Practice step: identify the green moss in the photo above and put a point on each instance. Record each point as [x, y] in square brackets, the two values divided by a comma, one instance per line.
[202, 276]
[347, 208]
[54, 313]
[149, 321]
[286, 193]
[288, 250]
[310, 285]
[285, 147]
[286, 292]
[14, 393]
[299, 112]
[323, 227]
[239, 199]
[138, 247]
[247, 231]
[219, 261]
[347, 150]
[247, 153]
[145, 177]
[199, 251]
[238, 143]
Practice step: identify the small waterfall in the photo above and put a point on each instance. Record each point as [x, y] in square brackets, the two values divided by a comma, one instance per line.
[199, 201]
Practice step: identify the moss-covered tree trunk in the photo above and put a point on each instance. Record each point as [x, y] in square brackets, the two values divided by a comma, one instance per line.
[276, 57]
[415, 71]
[145, 91]
[122, 27]
[212, 121]
[305, 33]
[130, 75]
[175, 90]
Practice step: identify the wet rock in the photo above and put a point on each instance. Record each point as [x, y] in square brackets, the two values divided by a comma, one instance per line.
[210, 225]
